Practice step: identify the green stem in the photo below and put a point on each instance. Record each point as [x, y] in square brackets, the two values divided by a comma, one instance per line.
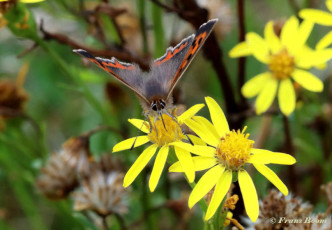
[159, 41]
[21, 192]
[141, 9]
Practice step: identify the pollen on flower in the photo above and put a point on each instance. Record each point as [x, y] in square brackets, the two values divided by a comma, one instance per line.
[162, 135]
[281, 65]
[234, 149]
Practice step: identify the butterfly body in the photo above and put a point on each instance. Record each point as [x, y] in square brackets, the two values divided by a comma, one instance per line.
[154, 88]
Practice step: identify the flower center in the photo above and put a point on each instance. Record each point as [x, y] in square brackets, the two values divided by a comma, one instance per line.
[281, 65]
[234, 150]
[161, 134]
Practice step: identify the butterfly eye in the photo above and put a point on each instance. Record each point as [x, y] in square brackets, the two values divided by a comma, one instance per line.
[162, 104]
[154, 106]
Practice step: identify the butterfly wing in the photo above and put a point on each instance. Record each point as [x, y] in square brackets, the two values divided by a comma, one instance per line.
[164, 68]
[176, 60]
[128, 74]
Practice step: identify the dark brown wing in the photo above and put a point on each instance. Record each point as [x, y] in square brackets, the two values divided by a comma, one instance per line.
[184, 60]
[164, 68]
[128, 74]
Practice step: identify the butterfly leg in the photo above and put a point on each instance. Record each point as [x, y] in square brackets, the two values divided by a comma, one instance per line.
[175, 120]
[162, 119]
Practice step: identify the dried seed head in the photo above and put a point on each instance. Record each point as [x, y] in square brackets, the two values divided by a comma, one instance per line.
[76, 153]
[327, 191]
[102, 193]
[57, 178]
[276, 205]
[12, 99]
[64, 168]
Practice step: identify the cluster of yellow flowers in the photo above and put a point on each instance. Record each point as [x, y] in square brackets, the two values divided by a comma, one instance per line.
[223, 152]
[288, 58]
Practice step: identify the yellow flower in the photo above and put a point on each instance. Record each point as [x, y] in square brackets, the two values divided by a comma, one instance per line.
[322, 18]
[161, 137]
[287, 57]
[225, 158]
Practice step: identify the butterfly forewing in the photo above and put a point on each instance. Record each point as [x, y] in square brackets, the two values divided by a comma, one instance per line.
[128, 74]
[155, 88]
[200, 37]
[163, 69]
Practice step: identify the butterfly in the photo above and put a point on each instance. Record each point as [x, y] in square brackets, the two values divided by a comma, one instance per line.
[155, 88]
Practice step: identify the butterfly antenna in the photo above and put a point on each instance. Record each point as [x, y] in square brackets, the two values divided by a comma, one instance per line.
[162, 119]
[176, 121]
[139, 132]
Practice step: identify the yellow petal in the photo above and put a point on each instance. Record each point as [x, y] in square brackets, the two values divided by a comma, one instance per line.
[289, 33]
[240, 50]
[205, 184]
[186, 163]
[255, 85]
[219, 193]
[190, 113]
[258, 47]
[325, 41]
[266, 96]
[202, 132]
[286, 97]
[201, 150]
[196, 140]
[139, 164]
[271, 176]
[249, 194]
[317, 16]
[207, 124]
[158, 167]
[140, 124]
[329, 5]
[200, 163]
[303, 34]
[127, 144]
[308, 58]
[217, 116]
[262, 156]
[307, 80]
[271, 38]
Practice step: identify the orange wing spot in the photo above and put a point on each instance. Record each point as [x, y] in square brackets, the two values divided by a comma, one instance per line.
[117, 64]
[199, 38]
[170, 54]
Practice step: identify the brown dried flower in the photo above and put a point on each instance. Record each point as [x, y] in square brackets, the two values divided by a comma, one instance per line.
[102, 193]
[276, 206]
[12, 95]
[58, 178]
[63, 169]
[77, 154]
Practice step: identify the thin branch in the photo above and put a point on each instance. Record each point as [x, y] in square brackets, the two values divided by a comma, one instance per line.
[30, 49]
[289, 148]
[241, 60]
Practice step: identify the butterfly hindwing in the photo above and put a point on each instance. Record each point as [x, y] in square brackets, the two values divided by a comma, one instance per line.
[128, 74]
[200, 37]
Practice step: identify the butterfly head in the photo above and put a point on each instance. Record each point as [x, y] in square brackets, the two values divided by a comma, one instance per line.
[158, 105]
